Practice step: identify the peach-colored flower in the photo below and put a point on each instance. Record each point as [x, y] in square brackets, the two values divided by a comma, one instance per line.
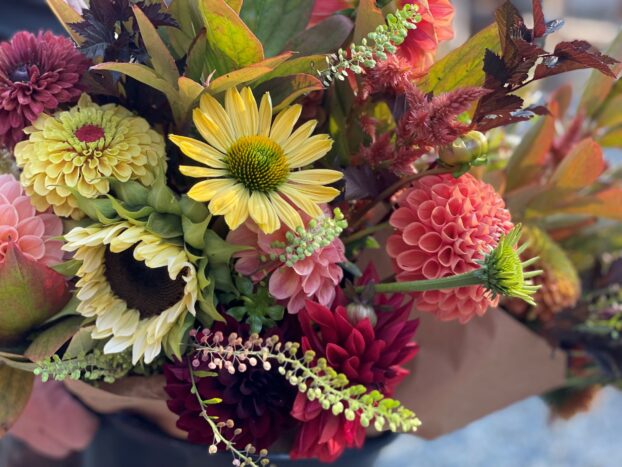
[325, 8]
[21, 225]
[314, 277]
[435, 26]
[444, 225]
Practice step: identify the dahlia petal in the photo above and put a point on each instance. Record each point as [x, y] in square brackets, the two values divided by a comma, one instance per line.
[284, 283]
[32, 246]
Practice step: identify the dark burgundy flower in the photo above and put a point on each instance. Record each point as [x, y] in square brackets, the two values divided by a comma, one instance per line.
[258, 401]
[366, 354]
[37, 74]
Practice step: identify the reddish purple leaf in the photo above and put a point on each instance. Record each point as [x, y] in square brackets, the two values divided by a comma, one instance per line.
[539, 23]
[575, 55]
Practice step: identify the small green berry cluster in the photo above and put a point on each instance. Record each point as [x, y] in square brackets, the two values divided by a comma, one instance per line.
[311, 375]
[302, 243]
[605, 308]
[385, 40]
[92, 366]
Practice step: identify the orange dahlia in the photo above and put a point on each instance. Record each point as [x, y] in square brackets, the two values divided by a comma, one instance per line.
[444, 225]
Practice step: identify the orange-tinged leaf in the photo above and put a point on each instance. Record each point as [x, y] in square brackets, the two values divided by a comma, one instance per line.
[15, 390]
[526, 162]
[286, 90]
[66, 15]
[606, 203]
[581, 167]
[368, 18]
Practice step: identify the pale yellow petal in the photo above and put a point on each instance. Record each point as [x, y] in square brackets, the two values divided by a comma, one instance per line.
[237, 111]
[301, 201]
[286, 212]
[263, 213]
[210, 131]
[239, 213]
[315, 176]
[314, 148]
[265, 115]
[201, 172]
[217, 113]
[200, 152]
[318, 194]
[284, 124]
[252, 111]
[300, 136]
[205, 190]
[226, 199]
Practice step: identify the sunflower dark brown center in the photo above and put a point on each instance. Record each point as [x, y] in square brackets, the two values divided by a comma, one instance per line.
[150, 291]
[89, 133]
[258, 163]
[20, 74]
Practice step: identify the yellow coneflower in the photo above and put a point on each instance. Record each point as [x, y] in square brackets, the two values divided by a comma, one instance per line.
[252, 162]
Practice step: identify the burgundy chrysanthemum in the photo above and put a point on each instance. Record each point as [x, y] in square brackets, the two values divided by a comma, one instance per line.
[37, 74]
[366, 354]
[258, 401]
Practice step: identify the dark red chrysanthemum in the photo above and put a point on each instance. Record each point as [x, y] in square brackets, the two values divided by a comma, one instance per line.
[366, 354]
[37, 74]
[258, 401]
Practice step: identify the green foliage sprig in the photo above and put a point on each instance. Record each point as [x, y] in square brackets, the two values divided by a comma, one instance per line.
[384, 40]
[311, 375]
[92, 366]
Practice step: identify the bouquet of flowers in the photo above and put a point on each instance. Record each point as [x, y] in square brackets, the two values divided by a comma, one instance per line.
[191, 188]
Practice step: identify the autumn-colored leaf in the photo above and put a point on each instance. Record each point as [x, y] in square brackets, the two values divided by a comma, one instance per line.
[526, 162]
[49, 341]
[606, 203]
[612, 139]
[287, 89]
[15, 390]
[368, 18]
[580, 168]
[463, 66]
[66, 15]
[30, 293]
[325, 37]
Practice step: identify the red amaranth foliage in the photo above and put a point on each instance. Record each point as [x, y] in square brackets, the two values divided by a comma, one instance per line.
[392, 76]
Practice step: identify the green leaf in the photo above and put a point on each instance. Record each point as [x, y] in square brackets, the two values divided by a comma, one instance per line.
[164, 225]
[527, 160]
[68, 268]
[217, 250]
[599, 85]
[97, 209]
[368, 18]
[81, 343]
[15, 390]
[325, 37]
[132, 193]
[238, 77]
[141, 73]
[237, 312]
[612, 139]
[232, 43]
[244, 285]
[463, 66]
[128, 214]
[610, 116]
[53, 338]
[274, 22]
[162, 198]
[194, 232]
[287, 89]
[187, 15]
[197, 65]
[30, 293]
[161, 59]
[312, 65]
[178, 336]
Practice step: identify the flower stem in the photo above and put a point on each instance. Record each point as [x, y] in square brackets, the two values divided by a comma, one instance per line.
[450, 282]
[365, 232]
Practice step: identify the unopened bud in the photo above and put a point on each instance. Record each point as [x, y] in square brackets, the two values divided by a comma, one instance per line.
[464, 149]
[358, 312]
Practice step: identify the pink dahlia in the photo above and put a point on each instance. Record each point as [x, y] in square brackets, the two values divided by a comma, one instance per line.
[33, 233]
[371, 355]
[314, 277]
[444, 225]
[37, 74]
[435, 26]
[325, 8]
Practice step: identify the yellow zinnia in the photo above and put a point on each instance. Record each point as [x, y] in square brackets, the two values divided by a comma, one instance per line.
[82, 148]
[253, 163]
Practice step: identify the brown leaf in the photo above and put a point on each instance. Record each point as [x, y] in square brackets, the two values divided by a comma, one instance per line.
[575, 55]
[15, 389]
[539, 23]
[49, 341]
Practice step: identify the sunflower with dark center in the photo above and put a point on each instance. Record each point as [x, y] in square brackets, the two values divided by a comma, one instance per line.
[83, 148]
[37, 74]
[258, 401]
[138, 286]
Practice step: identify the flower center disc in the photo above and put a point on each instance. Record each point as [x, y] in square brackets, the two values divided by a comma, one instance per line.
[89, 133]
[20, 74]
[258, 163]
[150, 291]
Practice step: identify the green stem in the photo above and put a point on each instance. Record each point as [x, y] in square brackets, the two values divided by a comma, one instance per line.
[365, 232]
[451, 282]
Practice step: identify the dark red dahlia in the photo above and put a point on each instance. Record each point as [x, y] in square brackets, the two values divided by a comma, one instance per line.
[366, 354]
[258, 401]
[37, 74]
